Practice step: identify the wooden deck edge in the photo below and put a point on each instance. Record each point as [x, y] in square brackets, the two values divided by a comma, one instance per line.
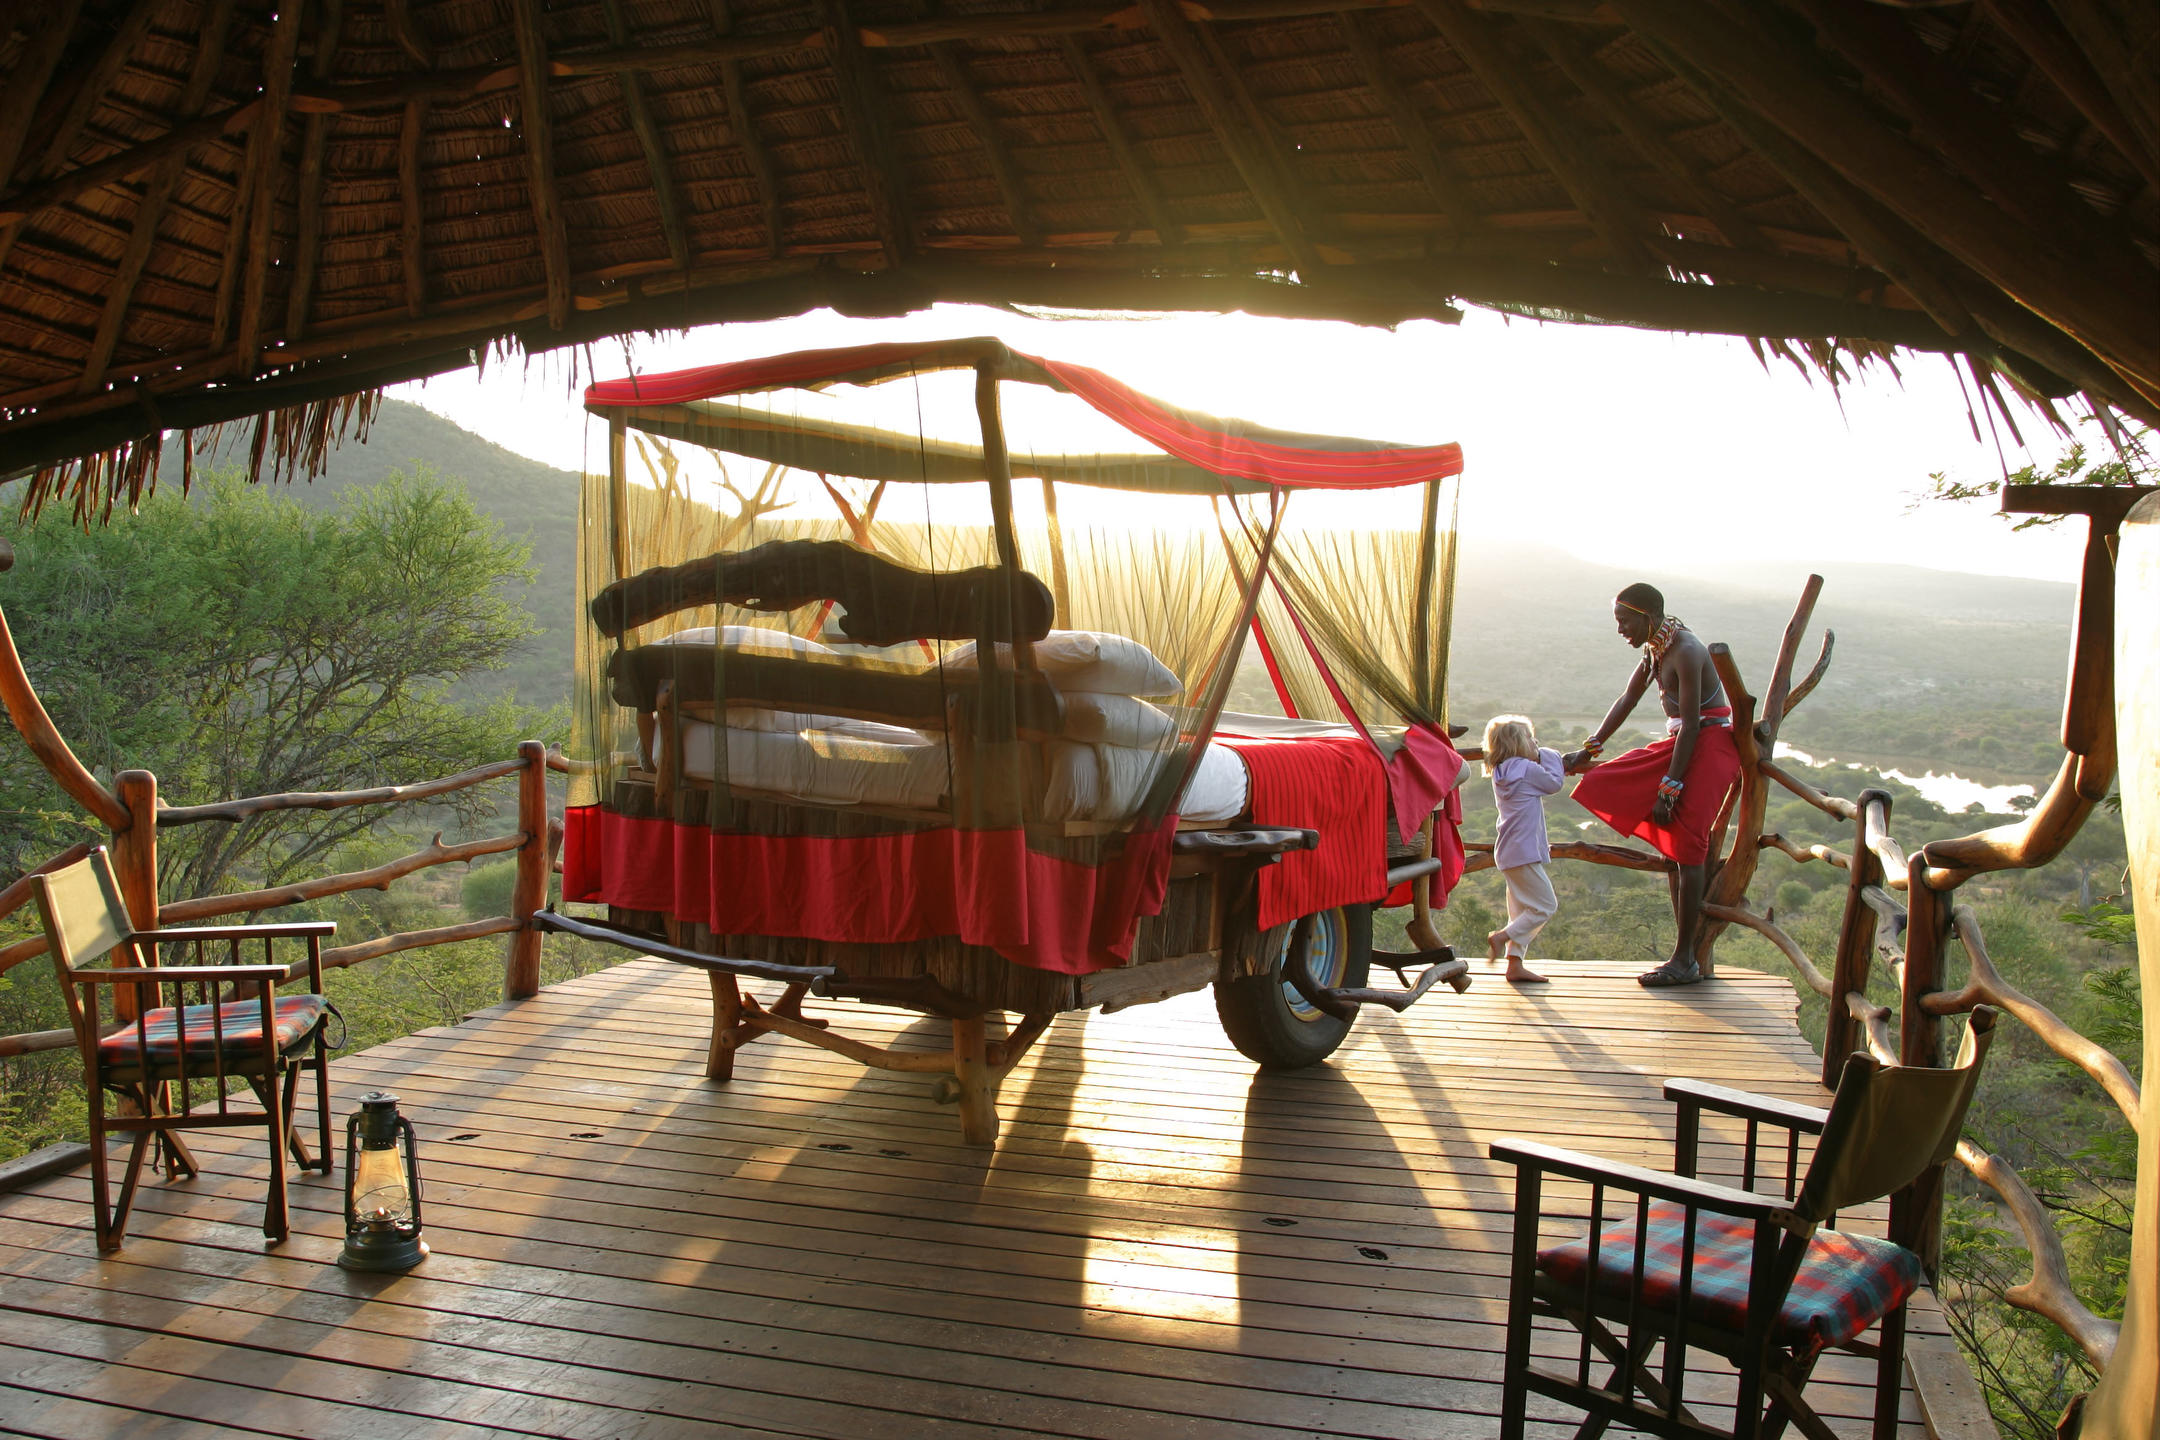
[1951, 1404]
[38, 1164]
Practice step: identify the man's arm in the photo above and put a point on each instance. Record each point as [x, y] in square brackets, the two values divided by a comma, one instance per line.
[1688, 685]
[1614, 718]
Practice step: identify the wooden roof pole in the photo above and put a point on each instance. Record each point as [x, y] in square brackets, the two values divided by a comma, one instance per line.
[539, 126]
[1221, 109]
[264, 153]
[665, 195]
[412, 237]
[1969, 133]
[953, 69]
[744, 128]
[2081, 300]
[2035, 30]
[2124, 58]
[1122, 149]
[129, 35]
[1612, 212]
[150, 210]
[1447, 187]
[398, 20]
[862, 113]
[27, 85]
[1591, 78]
[314, 140]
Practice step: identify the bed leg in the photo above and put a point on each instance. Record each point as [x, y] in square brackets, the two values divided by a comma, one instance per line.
[726, 1017]
[978, 1084]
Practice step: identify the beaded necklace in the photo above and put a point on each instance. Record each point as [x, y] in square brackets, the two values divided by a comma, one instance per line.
[1661, 640]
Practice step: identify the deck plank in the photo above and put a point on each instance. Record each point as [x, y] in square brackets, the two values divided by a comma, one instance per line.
[1164, 1244]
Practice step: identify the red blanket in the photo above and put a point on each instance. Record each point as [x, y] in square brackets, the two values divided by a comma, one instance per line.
[985, 886]
[1335, 786]
[1623, 791]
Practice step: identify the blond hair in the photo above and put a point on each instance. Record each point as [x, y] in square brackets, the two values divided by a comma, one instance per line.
[1509, 737]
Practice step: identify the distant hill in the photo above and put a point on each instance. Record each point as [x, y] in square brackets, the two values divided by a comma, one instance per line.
[1532, 628]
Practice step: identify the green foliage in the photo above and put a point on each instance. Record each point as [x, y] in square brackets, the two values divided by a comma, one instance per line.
[2133, 465]
[237, 644]
[487, 890]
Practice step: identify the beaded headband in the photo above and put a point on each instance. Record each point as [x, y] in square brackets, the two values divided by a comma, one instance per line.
[1636, 608]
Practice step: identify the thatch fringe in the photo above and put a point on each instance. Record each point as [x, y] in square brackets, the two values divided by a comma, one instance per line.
[293, 443]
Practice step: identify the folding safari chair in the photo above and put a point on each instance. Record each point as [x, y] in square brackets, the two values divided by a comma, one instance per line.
[158, 1069]
[1760, 1280]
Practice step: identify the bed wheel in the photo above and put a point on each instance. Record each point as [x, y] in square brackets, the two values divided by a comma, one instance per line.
[1270, 1023]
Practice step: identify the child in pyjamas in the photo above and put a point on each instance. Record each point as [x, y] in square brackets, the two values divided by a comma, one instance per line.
[1523, 774]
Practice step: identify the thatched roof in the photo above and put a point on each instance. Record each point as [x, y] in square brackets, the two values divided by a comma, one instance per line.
[218, 208]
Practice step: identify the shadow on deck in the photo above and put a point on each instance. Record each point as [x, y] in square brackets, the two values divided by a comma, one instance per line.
[1164, 1245]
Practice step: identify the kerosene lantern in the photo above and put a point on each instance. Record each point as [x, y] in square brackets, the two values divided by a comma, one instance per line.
[382, 1188]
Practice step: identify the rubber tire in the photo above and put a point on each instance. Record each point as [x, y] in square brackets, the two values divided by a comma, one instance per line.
[1257, 1017]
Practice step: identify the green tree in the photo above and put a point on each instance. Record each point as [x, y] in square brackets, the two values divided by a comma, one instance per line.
[237, 644]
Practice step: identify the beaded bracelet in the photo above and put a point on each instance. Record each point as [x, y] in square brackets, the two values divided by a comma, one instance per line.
[1593, 747]
[1669, 788]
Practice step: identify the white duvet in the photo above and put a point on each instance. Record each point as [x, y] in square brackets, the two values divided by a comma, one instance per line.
[859, 762]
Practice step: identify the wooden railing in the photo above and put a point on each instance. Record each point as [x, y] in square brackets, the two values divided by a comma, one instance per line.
[136, 818]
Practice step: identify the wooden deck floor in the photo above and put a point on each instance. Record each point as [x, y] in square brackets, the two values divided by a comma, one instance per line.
[1165, 1244]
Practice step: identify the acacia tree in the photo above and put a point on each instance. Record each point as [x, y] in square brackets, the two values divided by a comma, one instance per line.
[236, 644]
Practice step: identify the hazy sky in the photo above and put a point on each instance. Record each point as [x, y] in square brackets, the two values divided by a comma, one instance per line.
[1616, 445]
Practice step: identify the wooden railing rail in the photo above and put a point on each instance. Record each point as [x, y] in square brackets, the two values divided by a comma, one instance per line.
[186, 912]
[168, 815]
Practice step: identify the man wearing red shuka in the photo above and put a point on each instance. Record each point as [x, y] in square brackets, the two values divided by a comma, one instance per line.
[1670, 793]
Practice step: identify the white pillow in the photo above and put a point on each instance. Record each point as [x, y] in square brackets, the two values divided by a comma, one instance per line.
[1090, 662]
[758, 640]
[1117, 720]
[748, 637]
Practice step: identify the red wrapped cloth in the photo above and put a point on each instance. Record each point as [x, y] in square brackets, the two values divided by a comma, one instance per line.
[1336, 786]
[988, 887]
[1622, 791]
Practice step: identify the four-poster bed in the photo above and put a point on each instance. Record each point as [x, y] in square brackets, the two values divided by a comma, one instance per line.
[848, 738]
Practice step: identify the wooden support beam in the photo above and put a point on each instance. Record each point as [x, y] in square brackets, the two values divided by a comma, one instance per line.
[62, 188]
[1591, 78]
[398, 20]
[539, 127]
[127, 37]
[2107, 313]
[1122, 149]
[412, 236]
[1232, 130]
[150, 210]
[1971, 134]
[265, 151]
[665, 196]
[952, 68]
[1440, 178]
[743, 126]
[862, 113]
[1879, 237]
[28, 82]
[314, 141]
[2033, 28]
[1610, 210]
[2122, 44]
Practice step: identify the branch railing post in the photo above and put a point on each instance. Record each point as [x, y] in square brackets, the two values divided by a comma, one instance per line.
[1916, 1211]
[135, 864]
[1855, 958]
[521, 973]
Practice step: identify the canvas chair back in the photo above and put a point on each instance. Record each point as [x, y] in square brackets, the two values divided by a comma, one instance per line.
[1889, 1124]
[85, 920]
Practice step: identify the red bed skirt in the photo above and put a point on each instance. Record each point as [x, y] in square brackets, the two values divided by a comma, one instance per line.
[984, 886]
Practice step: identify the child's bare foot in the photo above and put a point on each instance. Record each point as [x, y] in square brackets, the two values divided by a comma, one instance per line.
[1495, 942]
[1521, 974]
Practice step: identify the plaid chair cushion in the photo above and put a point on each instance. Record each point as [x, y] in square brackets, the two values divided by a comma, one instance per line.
[294, 1017]
[1846, 1283]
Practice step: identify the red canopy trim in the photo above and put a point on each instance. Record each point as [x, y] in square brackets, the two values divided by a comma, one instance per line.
[1233, 448]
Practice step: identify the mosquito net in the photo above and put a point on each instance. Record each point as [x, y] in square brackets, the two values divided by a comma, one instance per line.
[855, 668]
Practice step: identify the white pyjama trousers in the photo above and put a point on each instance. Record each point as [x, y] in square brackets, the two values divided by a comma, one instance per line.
[1530, 903]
